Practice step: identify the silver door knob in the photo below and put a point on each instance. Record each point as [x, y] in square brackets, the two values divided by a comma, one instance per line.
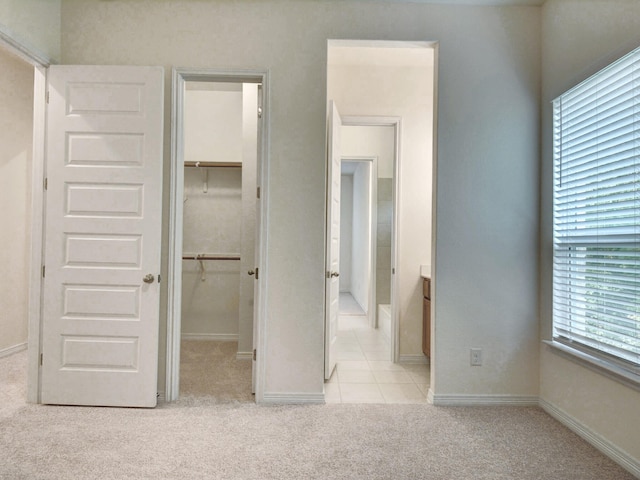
[334, 274]
[251, 272]
[148, 278]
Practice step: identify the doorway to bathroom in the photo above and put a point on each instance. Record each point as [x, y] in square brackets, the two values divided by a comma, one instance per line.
[381, 86]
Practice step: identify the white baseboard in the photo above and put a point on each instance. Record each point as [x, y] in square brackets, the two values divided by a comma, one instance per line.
[293, 398]
[619, 456]
[218, 337]
[244, 356]
[5, 352]
[481, 400]
[415, 359]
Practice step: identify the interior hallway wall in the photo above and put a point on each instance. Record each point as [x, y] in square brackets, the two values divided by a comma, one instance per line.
[16, 131]
[346, 231]
[579, 38]
[361, 256]
[487, 177]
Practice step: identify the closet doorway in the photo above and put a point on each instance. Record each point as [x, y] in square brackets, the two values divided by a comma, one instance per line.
[214, 277]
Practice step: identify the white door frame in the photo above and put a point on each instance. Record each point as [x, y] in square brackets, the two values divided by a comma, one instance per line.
[396, 123]
[373, 194]
[174, 280]
[40, 62]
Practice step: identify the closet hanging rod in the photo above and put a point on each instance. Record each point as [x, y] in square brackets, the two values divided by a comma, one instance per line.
[214, 164]
[207, 256]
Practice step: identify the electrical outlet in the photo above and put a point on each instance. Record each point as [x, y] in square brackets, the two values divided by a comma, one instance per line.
[476, 357]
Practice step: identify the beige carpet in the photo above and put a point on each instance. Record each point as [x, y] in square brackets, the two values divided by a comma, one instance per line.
[195, 439]
[209, 370]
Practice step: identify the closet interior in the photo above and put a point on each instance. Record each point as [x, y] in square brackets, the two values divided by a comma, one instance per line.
[218, 239]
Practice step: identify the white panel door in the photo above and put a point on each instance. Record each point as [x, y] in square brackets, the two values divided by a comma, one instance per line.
[103, 235]
[332, 289]
[258, 227]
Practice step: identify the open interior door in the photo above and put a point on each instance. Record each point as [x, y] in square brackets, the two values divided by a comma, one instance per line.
[332, 288]
[258, 230]
[103, 234]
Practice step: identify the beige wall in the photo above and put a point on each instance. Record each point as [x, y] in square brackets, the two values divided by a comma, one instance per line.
[370, 141]
[579, 38]
[33, 23]
[487, 167]
[16, 125]
[213, 123]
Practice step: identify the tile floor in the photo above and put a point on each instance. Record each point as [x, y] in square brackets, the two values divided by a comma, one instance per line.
[364, 373]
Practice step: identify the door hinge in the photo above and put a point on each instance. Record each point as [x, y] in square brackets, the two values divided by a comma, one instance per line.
[158, 278]
[47, 96]
[260, 112]
[46, 183]
[258, 192]
[393, 271]
[257, 273]
[254, 354]
[42, 271]
[41, 358]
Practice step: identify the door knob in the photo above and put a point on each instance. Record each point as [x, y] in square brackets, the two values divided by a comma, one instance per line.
[251, 272]
[334, 274]
[148, 278]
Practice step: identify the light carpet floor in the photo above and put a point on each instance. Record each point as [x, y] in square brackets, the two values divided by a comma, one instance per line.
[209, 370]
[201, 439]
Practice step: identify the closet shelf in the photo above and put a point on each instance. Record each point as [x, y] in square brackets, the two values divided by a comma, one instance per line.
[211, 256]
[214, 164]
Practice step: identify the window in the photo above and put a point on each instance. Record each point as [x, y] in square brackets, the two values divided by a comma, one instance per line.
[596, 213]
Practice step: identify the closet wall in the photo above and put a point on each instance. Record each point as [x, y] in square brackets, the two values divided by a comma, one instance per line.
[212, 210]
[346, 231]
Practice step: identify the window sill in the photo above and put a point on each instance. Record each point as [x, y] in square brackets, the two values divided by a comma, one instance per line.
[596, 364]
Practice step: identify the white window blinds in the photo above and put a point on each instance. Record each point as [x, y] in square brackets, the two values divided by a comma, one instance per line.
[596, 282]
